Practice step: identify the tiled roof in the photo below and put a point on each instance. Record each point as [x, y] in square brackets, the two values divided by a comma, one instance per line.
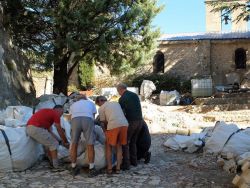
[205, 36]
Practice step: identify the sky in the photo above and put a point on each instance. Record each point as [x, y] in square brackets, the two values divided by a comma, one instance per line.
[181, 16]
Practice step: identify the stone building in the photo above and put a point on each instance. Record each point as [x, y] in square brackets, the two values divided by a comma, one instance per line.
[214, 53]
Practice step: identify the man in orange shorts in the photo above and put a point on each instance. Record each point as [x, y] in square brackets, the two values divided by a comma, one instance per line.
[115, 126]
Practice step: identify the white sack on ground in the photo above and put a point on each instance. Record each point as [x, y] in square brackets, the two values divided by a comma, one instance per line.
[24, 151]
[100, 159]
[49, 101]
[189, 144]
[220, 135]
[65, 125]
[169, 98]
[16, 116]
[147, 88]
[243, 158]
[100, 136]
[238, 144]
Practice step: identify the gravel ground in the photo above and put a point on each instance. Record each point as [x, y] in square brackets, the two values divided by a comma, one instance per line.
[166, 169]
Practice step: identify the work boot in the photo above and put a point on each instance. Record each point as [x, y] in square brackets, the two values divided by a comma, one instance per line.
[93, 172]
[133, 163]
[147, 157]
[125, 166]
[75, 171]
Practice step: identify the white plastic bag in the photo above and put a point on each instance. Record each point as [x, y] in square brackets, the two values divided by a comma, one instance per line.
[146, 89]
[100, 159]
[169, 98]
[17, 116]
[24, 151]
[220, 136]
[189, 144]
[238, 144]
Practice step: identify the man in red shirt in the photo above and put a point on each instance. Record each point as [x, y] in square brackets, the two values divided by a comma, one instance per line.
[39, 128]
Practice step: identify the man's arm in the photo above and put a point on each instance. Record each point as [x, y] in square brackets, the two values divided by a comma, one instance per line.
[103, 120]
[62, 135]
[51, 132]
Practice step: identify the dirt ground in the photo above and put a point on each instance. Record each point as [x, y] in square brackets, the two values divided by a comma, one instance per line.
[167, 169]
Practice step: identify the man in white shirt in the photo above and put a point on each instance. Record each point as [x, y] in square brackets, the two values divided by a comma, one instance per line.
[82, 120]
[115, 126]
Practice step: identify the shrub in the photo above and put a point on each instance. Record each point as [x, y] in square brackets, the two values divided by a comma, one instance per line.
[86, 75]
[164, 82]
[72, 88]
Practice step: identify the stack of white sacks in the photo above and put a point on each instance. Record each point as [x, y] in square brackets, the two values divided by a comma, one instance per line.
[19, 152]
[227, 141]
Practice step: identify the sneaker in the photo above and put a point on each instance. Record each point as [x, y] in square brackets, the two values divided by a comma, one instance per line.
[147, 157]
[75, 171]
[93, 172]
[57, 169]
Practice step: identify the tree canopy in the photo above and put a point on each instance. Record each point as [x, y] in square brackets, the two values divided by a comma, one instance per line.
[58, 34]
[229, 6]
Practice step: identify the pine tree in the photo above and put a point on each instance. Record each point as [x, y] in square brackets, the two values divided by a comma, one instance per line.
[58, 34]
[229, 6]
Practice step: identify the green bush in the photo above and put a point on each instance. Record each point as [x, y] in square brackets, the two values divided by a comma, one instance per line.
[86, 75]
[72, 88]
[164, 82]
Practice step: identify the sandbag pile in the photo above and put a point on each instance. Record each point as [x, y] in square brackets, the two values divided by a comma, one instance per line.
[15, 116]
[49, 101]
[227, 141]
[18, 151]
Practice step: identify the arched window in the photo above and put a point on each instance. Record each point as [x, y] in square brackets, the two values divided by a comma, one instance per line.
[158, 64]
[240, 58]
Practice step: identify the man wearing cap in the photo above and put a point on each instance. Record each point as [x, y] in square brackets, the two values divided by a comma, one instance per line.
[39, 129]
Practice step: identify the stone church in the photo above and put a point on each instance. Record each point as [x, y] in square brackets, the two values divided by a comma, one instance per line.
[215, 53]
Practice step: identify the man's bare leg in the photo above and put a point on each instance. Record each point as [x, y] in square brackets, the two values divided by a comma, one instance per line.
[73, 154]
[91, 154]
[109, 157]
[119, 157]
[53, 156]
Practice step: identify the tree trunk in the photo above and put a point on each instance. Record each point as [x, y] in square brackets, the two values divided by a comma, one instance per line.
[61, 76]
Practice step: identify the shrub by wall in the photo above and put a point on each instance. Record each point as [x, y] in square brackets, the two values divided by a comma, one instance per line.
[164, 82]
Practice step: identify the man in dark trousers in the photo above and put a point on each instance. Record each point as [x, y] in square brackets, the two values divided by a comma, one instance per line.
[131, 107]
[143, 144]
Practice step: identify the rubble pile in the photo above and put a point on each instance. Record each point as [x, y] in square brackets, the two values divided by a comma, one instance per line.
[161, 119]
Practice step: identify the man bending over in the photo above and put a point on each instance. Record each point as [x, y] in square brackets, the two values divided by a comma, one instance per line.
[115, 126]
[39, 129]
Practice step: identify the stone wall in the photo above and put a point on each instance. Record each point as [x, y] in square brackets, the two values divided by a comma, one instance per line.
[15, 79]
[199, 58]
[223, 59]
[186, 59]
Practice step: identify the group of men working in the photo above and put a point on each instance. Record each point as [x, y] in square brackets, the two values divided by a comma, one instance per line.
[125, 130]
